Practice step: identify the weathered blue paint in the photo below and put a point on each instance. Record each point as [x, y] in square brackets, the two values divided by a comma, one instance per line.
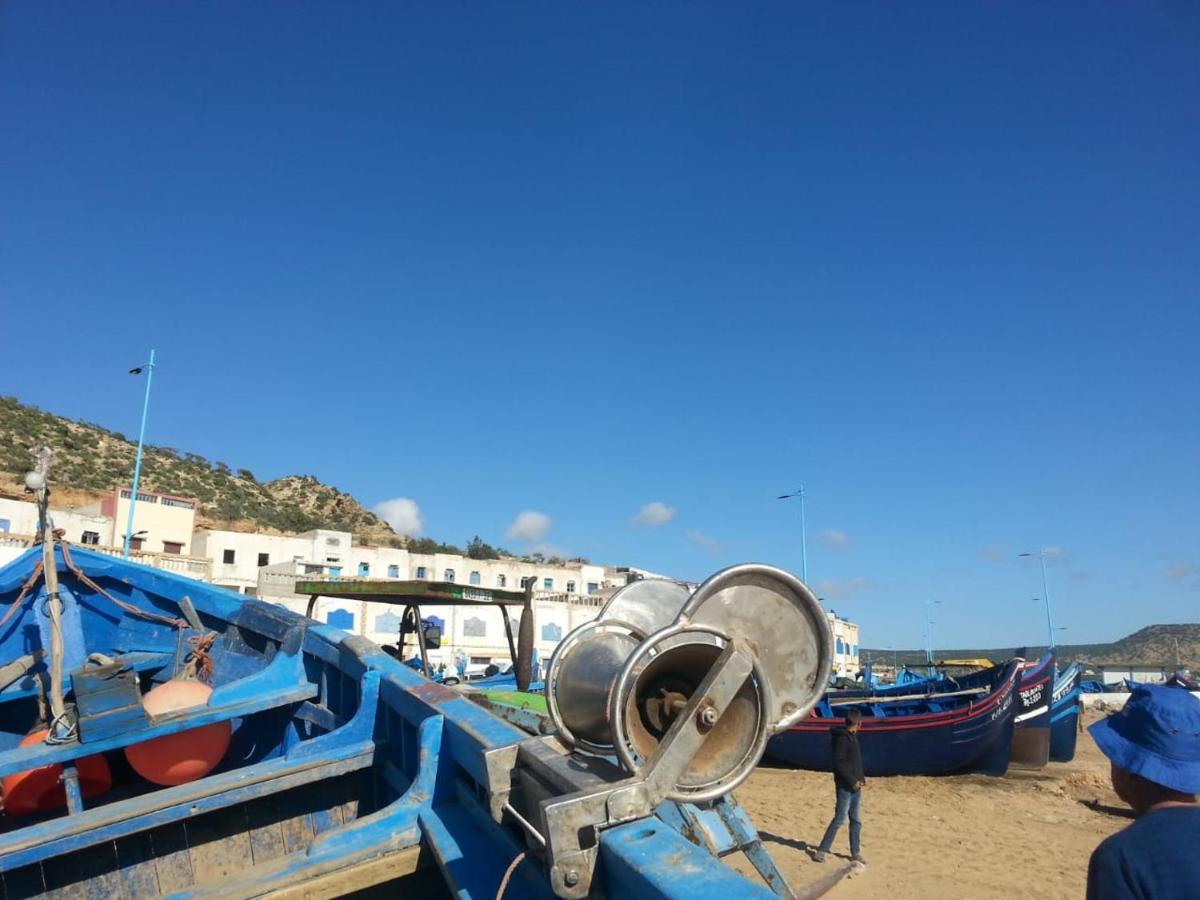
[342, 760]
[647, 859]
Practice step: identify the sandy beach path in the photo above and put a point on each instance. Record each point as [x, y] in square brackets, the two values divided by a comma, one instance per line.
[967, 837]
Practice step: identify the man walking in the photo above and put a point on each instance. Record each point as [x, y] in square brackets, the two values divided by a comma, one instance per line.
[848, 779]
[1153, 744]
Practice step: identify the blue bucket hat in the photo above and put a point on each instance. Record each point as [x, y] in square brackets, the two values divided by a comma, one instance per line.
[1157, 736]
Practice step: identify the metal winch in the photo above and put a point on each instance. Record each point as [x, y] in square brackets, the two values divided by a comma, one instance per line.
[681, 690]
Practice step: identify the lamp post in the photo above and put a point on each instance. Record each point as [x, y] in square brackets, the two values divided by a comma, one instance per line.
[137, 465]
[929, 605]
[803, 537]
[1050, 629]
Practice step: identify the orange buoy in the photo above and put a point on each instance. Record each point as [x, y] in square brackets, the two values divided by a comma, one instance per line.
[186, 755]
[41, 789]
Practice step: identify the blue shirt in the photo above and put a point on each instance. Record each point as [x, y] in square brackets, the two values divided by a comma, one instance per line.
[1155, 858]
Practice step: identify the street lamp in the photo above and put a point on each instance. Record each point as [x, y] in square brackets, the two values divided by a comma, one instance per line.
[1041, 555]
[929, 605]
[148, 368]
[803, 538]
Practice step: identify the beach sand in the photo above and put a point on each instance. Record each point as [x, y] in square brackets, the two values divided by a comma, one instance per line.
[1030, 832]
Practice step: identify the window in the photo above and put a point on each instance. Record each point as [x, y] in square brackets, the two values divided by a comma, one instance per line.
[501, 581]
[839, 647]
[448, 575]
[227, 556]
[474, 627]
[340, 618]
[312, 569]
[172, 547]
[89, 537]
[548, 583]
[526, 582]
[264, 559]
[333, 559]
[474, 578]
[364, 568]
[393, 571]
[333, 542]
[6, 526]
[593, 587]
[181, 504]
[551, 631]
[570, 587]
[421, 572]
[136, 544]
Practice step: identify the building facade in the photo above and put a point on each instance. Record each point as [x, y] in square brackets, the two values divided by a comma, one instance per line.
[268, 565]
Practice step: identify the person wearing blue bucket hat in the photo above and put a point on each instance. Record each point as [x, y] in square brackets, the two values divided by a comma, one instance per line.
[1153, 744]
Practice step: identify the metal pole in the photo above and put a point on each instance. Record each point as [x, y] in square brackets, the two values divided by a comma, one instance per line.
[137, 465]
[1046, 596]
[803, 541]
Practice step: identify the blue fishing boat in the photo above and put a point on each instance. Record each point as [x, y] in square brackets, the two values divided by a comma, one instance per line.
[1064, 713]
[159, 735]
[963, 725]
[1031, 733]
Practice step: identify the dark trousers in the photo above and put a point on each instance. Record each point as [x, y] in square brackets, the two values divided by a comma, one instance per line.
[848, 802]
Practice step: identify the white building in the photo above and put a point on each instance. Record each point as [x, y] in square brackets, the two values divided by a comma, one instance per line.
[268, 565]
[845, 645]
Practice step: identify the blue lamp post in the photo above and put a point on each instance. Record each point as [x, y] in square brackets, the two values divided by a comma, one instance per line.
[803, 537]
[137, 465]
[1050, 629]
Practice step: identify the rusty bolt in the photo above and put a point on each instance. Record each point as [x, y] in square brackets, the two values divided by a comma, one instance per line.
[708, 717]
[571, 878]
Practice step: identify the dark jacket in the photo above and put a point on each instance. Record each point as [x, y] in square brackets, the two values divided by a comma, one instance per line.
[847, 760]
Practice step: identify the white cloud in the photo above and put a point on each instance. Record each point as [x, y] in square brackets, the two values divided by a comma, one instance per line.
[402, 514]
[994, 553]
[841, 588]
[529, 526]
[1181, 572]
[834, 537]
[654, 515]
[705, 542]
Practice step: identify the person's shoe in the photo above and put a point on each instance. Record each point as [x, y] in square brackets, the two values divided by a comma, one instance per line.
[858, 858]
[818, 856]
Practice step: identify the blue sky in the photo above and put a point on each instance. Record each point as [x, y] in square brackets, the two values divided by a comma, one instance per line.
[938, 263]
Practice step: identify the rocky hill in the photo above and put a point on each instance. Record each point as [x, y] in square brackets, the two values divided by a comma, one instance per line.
[90, 460]
[1154, 645]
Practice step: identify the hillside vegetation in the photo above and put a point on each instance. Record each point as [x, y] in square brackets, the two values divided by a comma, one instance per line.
[92, 459]
[1154, 645]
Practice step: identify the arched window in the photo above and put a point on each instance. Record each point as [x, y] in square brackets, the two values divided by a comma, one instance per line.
[551, 631]
[840, 647]
[501, 580]
[448, 575]
[340, 618]
[474, 578]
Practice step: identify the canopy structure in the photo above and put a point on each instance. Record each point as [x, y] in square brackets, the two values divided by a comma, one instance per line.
[412, 595]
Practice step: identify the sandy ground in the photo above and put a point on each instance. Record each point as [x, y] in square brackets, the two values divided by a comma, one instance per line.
[968, 836]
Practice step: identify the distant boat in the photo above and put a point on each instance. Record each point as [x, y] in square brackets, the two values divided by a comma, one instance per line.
[963, 725]
[1064, 713]
[1031, 734]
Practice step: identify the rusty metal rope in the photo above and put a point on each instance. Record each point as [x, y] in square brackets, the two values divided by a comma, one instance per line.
[128, 607]
[25, 589]
[199, 662]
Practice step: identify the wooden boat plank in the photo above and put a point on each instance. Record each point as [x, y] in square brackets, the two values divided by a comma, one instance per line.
[136, 868]
[184, 801]
[172, 863]
[98, 871]
[266, 835]
[217, 854]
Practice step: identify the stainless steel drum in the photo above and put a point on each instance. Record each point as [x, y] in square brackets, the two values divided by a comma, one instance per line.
[685, 690]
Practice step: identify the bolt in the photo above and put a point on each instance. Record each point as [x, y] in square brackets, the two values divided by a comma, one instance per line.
[708, 717]
[571, 878]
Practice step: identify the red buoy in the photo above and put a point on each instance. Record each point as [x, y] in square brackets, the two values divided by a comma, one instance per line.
[41, 789]
[186, 755]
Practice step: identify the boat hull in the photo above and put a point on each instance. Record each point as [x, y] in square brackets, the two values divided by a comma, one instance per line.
[1064, 713]
[1031, 732]
[973, 738]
